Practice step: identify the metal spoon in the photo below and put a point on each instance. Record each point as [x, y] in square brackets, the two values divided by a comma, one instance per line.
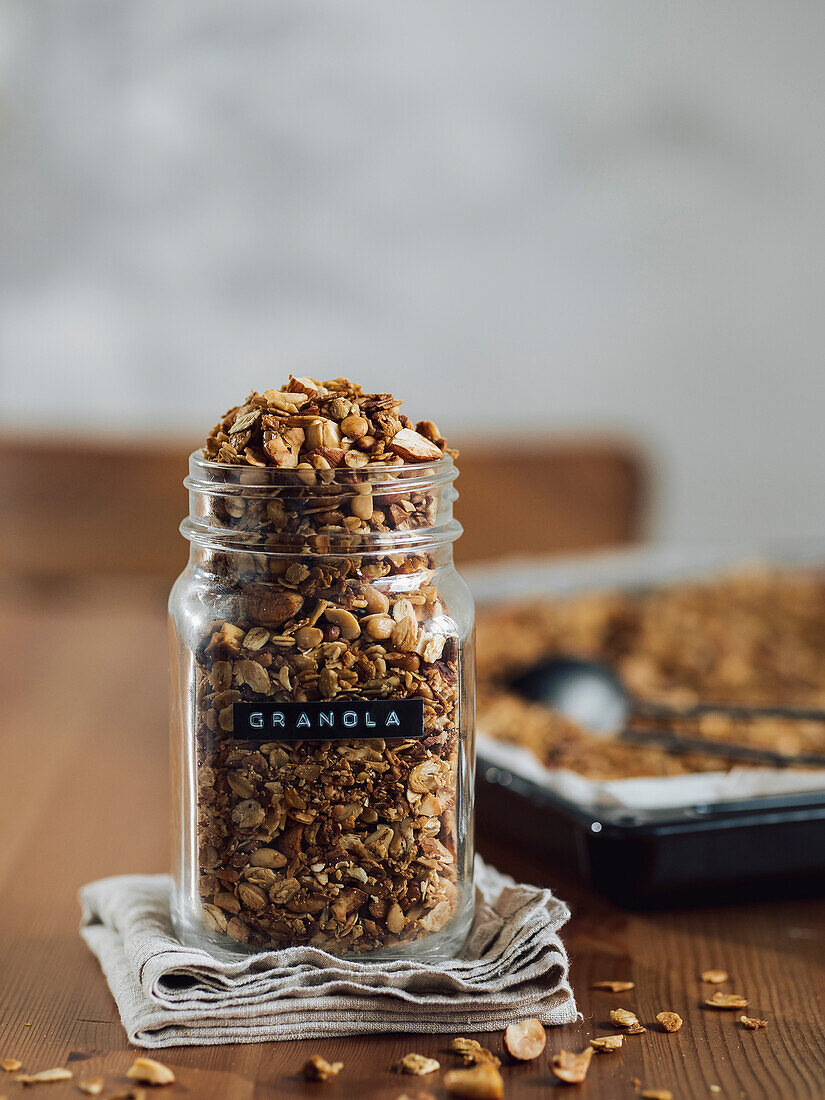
[593, 695]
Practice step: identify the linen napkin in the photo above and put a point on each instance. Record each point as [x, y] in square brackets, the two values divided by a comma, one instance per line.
[513, 966]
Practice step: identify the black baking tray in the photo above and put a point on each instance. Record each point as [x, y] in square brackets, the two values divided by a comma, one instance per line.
[729, 851]
[769, 846]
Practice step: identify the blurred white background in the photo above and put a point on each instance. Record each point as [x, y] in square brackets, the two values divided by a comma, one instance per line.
[524, 217]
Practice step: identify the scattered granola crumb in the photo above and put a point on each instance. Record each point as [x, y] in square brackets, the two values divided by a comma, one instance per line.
[571, 1068]
[481, 1082]
[58, 1074]
[656, 1094]
[752, 1023]
[670, 1021]
[727, 1000]
[92, 1086]
[715, 1088]
[473, 1052]
[714, 977]
[150, 1072]
[614, 987]
[636, 1029]
[317, 1068]
[417, 1064]
[525, 1040]
[11, 1065]
[607, 1043]
[623, 1017]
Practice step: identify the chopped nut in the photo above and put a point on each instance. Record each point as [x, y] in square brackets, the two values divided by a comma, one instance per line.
[417, 1064]
[150, 1072]
[481, 1082]
[525, 1040]
[11, 1065]
[623, 1017]
[92, 1086]
[714, 977]
[571, 1068]
[473, 1052]
[670, 1021]
[345, 621]
[317, 1068]
[752, 1023]
[727, 1000]
[606, 1043]
[614, 987]
[45, 1075]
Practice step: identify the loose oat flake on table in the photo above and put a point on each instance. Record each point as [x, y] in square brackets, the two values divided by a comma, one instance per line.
[473, 1052]
[752, 1023]
[670, 1021]
[571, 1068]
[714, 977]
[419, 1065]
[324, 642]
[727, 1000]
[481, 1082]
[614, 987]
[604, 1044]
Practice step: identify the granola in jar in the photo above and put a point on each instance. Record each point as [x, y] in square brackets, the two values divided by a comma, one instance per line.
[323, 681]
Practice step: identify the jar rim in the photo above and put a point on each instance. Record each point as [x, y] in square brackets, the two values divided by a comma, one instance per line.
[204, 473]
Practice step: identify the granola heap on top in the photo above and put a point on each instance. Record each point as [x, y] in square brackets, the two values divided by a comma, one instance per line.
[348, 845]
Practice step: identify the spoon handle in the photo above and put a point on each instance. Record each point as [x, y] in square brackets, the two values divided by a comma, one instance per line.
[661, 710]
[675, 742]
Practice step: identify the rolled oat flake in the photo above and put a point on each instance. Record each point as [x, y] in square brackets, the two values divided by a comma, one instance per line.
[322, 668]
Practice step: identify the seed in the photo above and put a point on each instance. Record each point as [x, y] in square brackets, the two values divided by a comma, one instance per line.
[345, 621]
[715, 977]
[44, 1076]
[525, 1040]
[150, 1072]
[361, 506]
[727, 1000]
[752, 1023]
[571, 1068]
[670, 1021]
[355, 426]
[308, 637]
[481, 1082]
[317, 1068]
[417, 1064]
[607, 1043]
[379, 626]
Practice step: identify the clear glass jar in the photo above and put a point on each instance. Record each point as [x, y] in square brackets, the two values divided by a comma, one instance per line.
[323, 706]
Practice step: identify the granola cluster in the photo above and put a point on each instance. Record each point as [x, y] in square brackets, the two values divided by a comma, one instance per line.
[350, 845]
[752, 637]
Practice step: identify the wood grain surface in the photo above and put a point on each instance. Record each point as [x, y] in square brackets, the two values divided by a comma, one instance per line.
[83, 793]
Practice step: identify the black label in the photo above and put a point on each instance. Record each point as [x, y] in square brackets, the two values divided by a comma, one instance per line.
[333, 721]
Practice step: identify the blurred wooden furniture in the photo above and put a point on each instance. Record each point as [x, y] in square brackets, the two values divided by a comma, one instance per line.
[74, 507]
[84, 793]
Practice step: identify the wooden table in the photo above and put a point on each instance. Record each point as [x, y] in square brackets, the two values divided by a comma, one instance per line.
[84, 794]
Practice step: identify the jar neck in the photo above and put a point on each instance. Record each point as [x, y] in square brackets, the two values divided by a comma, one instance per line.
[372, 513]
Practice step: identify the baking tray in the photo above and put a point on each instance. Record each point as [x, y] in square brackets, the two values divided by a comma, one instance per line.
[697, 851]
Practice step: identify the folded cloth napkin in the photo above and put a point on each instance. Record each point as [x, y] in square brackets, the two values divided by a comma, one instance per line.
[513, 966]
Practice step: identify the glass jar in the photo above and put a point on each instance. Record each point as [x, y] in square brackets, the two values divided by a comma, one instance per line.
[323, 706]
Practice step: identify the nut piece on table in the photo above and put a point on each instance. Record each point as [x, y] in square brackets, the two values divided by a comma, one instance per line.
[473, 1052]
[614, 987]
[416, 1064]
[150, 1072]
[623, 1017]
[607, 1043]
[58, 1074]
[92, 1086]
[714, 977]
[571, 1068]
[11, 1065]
[481, 1082]
[752, 1023]
[525, 1040]
[317, 1068]
[670, 1021]
[413, 446]
[727, 1000]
